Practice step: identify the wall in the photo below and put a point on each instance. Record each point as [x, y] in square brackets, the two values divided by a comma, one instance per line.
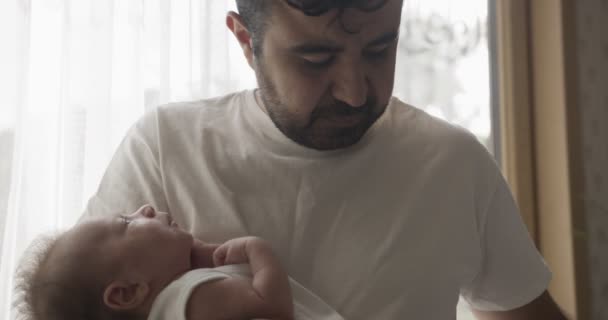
[592, 56]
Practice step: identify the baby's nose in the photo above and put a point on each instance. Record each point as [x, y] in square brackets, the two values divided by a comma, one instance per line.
[148, 211]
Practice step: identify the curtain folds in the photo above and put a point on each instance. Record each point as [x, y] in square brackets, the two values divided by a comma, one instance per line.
[75, 75]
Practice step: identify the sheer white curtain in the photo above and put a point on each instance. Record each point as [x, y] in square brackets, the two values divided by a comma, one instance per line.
[75, 74]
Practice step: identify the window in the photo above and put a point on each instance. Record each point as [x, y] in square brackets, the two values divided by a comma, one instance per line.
[444, 62]
[443, 67]
[81, 72]
[7, 113]
[6, 150]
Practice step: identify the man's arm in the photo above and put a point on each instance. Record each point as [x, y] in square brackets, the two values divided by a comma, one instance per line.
[542, 308]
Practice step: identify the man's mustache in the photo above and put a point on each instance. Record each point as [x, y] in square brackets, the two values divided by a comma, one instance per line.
[341, 109]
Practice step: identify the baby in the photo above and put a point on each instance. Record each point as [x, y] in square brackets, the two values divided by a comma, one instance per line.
[144, 266]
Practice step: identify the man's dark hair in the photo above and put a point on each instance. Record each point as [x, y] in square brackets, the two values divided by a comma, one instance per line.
[256, 13]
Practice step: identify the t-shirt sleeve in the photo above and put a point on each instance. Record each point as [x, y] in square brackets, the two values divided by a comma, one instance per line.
[512, 272]
[133, 177]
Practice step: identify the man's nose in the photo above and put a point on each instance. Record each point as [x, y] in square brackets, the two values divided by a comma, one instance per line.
[350, 85]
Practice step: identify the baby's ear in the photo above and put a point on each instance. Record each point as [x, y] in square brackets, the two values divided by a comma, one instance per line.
[123, 296]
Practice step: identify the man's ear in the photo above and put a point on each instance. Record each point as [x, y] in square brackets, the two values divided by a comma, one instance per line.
[237, 26]
[122, 295]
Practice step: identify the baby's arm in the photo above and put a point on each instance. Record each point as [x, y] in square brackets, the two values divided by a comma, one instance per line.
[267, 296]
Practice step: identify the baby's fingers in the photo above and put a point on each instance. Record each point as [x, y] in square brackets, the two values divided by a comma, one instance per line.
[219, 256]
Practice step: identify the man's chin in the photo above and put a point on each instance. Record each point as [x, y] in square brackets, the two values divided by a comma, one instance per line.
[327, 142]
[338, 137]
[326, 134]
[336, 144]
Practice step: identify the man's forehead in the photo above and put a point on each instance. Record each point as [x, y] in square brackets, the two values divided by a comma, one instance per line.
[289, 24]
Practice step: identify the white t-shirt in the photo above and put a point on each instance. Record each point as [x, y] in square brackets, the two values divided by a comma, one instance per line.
[394, 227]
[172, 301]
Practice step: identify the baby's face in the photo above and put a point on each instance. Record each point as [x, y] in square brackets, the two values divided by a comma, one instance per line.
[144, 243]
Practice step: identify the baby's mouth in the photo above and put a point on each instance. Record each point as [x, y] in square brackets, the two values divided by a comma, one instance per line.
[171, 222]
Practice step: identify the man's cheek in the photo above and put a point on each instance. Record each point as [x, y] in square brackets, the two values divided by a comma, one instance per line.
[302, 92]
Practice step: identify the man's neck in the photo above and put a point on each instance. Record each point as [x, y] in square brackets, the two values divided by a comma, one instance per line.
[259, 101]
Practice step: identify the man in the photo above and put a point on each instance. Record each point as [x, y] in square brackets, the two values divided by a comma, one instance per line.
[381, 210]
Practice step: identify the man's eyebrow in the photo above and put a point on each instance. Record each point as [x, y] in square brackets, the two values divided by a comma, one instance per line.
[384, 39]
[320, 48]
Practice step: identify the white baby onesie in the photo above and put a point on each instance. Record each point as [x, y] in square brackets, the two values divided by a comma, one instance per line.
[171, 302]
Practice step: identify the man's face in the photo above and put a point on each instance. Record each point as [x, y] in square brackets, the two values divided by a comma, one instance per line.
[325, 81]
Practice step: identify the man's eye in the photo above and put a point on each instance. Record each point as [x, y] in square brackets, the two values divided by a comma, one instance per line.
[318, 62]
[376, 53]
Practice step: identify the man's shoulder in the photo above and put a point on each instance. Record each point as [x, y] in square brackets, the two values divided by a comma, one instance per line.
[446, 149]
[207, 109]
[186, 120]
[420, 128]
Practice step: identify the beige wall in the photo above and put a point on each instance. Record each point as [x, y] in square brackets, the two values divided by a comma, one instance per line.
[592, 59]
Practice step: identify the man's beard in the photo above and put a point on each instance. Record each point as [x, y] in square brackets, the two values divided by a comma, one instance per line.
[309, 135]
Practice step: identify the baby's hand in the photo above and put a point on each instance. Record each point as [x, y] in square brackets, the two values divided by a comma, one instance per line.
[234, 251]
[202, 254]
[266, 296]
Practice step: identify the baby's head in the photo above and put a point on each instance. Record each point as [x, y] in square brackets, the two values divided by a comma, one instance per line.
[103, 268]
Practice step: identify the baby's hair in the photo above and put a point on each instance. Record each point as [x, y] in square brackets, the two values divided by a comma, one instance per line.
[67, 292]
[29, 266]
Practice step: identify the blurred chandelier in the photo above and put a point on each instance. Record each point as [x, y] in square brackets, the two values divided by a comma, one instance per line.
[443, 37]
